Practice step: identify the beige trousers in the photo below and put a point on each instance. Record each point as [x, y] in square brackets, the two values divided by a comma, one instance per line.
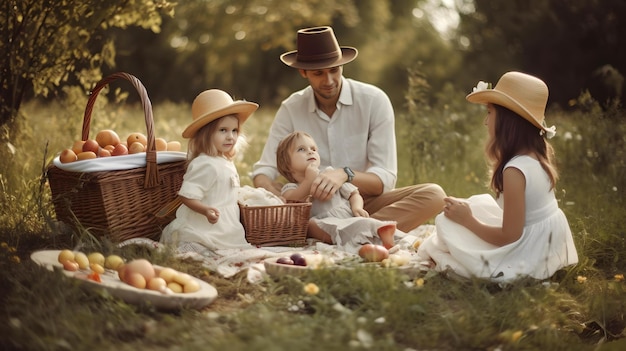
[409, 206]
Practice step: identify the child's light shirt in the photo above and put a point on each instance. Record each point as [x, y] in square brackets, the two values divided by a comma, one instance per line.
[215, 182]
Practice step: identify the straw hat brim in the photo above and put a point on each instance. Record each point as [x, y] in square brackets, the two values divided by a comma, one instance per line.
[348, 54]
[241, 109]
[499, 98]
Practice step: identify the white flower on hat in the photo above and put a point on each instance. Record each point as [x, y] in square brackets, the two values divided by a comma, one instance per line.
[481, 86]
[549, 132]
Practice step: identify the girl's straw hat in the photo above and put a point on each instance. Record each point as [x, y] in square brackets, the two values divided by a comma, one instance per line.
[212, 104]
[519, 92]
[318, 49]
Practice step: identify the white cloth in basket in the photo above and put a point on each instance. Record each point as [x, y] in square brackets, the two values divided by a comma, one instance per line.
[258, 197]
[118, 163]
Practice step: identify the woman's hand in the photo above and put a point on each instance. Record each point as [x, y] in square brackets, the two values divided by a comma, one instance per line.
[457, 210]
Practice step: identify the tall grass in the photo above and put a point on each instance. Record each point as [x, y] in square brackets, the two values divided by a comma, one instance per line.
[581, 308]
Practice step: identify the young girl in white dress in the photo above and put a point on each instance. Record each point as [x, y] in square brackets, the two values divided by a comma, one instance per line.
[341, 220]
[209, 214]
[523, 233]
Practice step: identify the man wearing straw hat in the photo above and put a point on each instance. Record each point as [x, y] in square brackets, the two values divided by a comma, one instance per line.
[353, 126]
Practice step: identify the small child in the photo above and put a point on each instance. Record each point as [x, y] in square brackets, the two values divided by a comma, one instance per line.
[523, 233]
[340, 220]
[209, 214]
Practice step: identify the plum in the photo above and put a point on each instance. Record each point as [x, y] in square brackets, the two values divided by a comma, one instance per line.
[298, 259]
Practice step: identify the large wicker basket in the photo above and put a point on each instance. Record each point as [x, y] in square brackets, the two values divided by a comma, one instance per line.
[118, 204]
[278, 225]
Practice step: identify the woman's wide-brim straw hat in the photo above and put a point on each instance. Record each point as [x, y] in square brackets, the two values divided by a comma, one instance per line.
[317, 48]
[212, 104]
[521, 93]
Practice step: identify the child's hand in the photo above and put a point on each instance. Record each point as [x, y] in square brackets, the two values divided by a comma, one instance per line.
[311, 171]
[457, 210]
[360, 212]
[212, 215]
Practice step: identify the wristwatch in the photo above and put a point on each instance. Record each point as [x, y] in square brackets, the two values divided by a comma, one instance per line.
[350, 174]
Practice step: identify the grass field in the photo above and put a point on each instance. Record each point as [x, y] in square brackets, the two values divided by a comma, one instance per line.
[581, 308]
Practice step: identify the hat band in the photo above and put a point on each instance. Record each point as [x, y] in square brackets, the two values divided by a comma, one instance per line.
[318, 57]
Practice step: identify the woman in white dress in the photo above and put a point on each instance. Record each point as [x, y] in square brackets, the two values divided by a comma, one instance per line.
[523, 232]
[209, 214]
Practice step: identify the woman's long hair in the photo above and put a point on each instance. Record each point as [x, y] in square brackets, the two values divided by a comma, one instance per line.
[513, 136]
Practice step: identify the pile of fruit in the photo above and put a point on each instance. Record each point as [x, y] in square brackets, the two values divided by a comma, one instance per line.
[139, 273]
[108, 143]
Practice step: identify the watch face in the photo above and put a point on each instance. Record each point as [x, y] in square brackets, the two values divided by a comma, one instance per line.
[349, 172]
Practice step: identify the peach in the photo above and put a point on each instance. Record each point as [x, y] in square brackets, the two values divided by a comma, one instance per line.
[110, 147]
[161, 144]
[136, 148]
[107, 137]
[77, 147]
[91, 145]
[173, 146]
[120, 149]
[136, 137]
[104, 153]
[67, 156]
[86, 155]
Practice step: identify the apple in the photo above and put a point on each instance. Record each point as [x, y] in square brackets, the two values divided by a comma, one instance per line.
[120, 149]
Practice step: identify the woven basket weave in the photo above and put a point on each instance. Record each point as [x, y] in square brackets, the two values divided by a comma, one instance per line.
[119, 204]
[278, 225]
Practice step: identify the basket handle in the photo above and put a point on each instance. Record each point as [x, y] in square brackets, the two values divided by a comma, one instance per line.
[152, 172]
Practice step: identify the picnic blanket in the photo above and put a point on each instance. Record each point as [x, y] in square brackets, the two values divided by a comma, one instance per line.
[228, 262]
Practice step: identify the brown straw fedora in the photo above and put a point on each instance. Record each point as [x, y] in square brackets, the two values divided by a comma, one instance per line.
[521, 93]
[318, 49]
[212, 104]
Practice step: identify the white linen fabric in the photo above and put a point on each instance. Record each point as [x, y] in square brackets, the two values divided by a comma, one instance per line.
[118, 163]
[360, 134]
[546, 244]
[214, 181]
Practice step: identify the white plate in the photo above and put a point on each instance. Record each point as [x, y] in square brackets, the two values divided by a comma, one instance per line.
[317, 261]
[314, 261]
[130, 294]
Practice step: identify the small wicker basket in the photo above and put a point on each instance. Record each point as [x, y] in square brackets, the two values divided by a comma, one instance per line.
[278, 225]
[117, 204]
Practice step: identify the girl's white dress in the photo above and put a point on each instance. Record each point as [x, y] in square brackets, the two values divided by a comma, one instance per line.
[214, 181]
[335, 217]
[546, 244]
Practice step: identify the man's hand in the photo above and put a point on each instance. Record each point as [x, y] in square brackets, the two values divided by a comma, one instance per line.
[327, 183]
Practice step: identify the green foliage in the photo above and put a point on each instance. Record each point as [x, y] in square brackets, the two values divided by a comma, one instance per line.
[562, 42]
[441, 144]
[46, 43]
